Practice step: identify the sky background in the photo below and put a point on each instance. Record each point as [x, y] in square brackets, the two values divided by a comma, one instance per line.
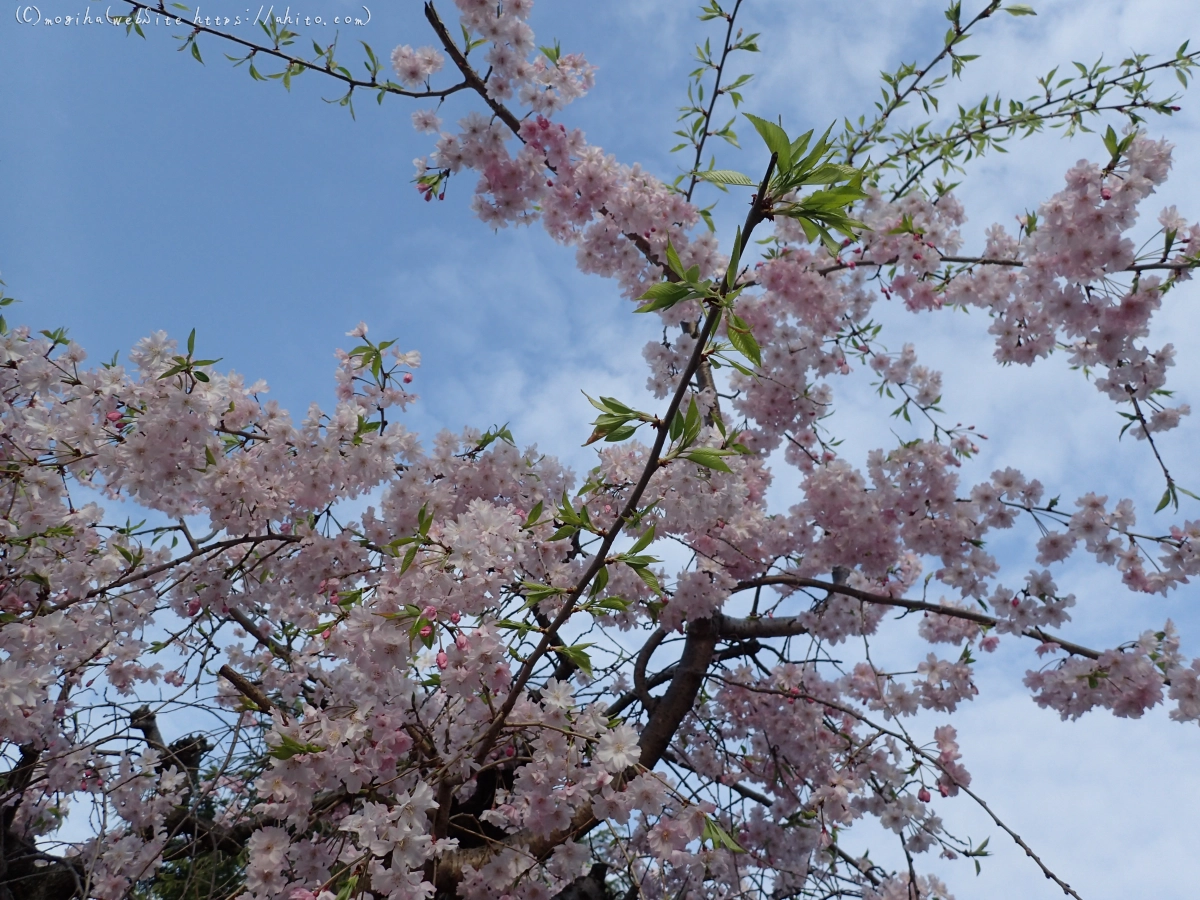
[142, 191]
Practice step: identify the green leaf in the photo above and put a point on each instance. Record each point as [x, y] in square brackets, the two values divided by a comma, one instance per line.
[708, 457]
[830, 173]
[800, 144]
[664, 296]
[536, 592]
[649, 577]
[534, 515]
[735, 259]
[719, 837]
[776, 140]
[727, 176]
[643, 542]
[742, 339]
[819, 150]
[578, 655]
[409, 557]
[673, 260]
[691, 423]
[676, 428]
[612, 405]
[1019, 9]
[600, 581]
[620, 434]
[617, 604]
[666, 290]
[351, 886]
[1111, 143]
[196, 52]
[289, 747]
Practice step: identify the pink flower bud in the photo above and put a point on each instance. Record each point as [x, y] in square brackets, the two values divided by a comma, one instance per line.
[408, 377]
[430, 612]
[442, 659]
[426, 631]
[1106, 193]
[454, 617]
[113, 416]
[923, 795]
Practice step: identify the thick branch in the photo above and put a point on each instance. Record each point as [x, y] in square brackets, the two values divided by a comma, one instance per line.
[250, 691]
[677, 702]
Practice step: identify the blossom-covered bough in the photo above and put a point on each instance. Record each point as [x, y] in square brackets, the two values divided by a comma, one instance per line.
[488, 684]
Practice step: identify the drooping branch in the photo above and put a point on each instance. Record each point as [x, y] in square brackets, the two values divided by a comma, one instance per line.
[729, 627]
[936, 763]
[763, 800]
[323, 64]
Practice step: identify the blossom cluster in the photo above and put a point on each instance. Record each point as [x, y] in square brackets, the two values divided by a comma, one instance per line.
[437, 663]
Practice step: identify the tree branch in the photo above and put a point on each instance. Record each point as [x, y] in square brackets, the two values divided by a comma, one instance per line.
[729, 627]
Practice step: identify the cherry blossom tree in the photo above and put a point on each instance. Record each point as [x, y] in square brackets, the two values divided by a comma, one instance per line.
[501, 680]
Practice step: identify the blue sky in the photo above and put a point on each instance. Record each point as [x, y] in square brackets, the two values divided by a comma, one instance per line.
[143, 191]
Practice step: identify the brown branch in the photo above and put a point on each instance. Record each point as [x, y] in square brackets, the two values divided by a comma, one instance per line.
[325, 69]
[743, 648]
[900, 97]
[841, 265]
[251, 691]
[641, 690]
[712, 103]
[180, 560]
[259, 635]
[677, 702]
[470, 76]
[785, 627]
[757, 213]
[937, 763]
